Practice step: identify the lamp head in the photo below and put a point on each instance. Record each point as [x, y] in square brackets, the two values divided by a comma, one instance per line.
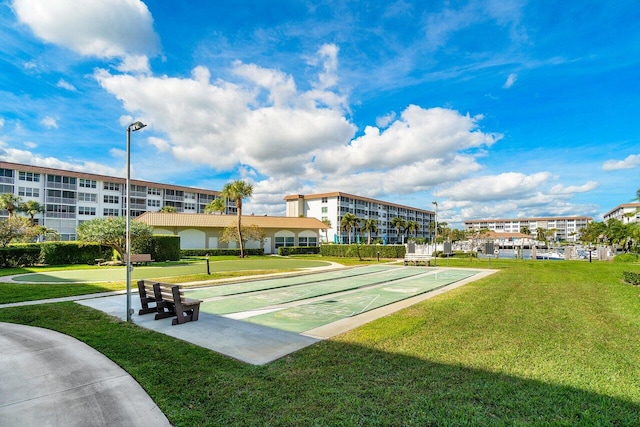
[136, 126]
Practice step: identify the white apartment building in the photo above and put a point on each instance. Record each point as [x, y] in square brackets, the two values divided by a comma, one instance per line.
[333, 206]
[566, 228]
[626, 213]
[69, 197]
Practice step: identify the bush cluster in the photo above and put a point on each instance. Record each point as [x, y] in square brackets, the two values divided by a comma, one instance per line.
[363, 251]
[298, 250]
[631, 277]
[58, 253]
[162, 247]
[219, 252]
[626, 258]
[19, 256]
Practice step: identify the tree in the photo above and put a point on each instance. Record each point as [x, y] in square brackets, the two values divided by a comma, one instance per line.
[399, 224]
[347, 223]
[216, 205]
[46, 233]
[525, 230]
[237, 191]
[370, 226]
[16, 228]
[112, 231]
[168, 209]
[326, 222]
[9, 202]
[31, 208]
[412, 227]
[251, 232]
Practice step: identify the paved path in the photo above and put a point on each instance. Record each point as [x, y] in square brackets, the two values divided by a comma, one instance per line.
[50, 379]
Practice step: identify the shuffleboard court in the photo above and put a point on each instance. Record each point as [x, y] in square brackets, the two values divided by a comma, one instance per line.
[279, 282]
[305, 290]
[312, 315]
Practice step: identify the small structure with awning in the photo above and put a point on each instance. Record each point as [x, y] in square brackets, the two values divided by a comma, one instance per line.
[203, 231]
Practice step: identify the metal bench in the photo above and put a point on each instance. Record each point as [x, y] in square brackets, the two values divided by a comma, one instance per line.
[416, 259]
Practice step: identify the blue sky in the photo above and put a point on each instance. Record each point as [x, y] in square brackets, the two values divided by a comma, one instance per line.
[491, 108]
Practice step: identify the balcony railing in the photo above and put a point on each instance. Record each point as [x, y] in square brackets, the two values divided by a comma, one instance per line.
[62, 185]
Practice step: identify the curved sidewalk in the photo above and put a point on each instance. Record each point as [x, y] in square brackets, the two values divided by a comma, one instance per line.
[48, 378]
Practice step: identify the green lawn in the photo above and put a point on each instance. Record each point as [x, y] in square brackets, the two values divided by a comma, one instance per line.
[539, 343]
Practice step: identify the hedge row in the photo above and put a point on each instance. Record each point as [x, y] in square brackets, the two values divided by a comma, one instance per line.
[12, 257]
[631, 277]
[57, 253]
[219, 252]
[363, 251]
[162, 247]
[298, 250]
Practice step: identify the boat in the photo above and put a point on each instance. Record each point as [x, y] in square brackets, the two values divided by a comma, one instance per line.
[552, 255]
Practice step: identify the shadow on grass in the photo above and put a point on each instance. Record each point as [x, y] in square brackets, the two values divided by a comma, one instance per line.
[330, 383]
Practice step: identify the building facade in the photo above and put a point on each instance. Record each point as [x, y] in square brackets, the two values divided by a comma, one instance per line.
[333, 206]
[565, 228]
[626, 213]
[205, 231]
[69, 198]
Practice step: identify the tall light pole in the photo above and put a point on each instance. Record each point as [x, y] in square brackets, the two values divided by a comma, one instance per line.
[435, 230]
[131, 128]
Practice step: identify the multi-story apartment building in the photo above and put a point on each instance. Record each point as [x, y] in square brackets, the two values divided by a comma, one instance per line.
[69, 198]
[565, 228]
[333, 206]
[626, 212]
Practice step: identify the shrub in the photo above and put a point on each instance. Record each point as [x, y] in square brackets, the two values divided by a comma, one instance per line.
[298, 250]
[58, 253]
[20, 255]
[219, 252]
[626, 258]
[363, 251]
[631, 277]
[162, 247]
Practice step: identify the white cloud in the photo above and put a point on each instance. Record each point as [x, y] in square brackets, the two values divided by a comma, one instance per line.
[66, 85]
[49, 122]
[99, 28]
[509, 185]
[1, 122]
[384, 121]
[135, 63]
[630, 162]
[15, 155]
[572, 189]
[510, 81]
[30, 144]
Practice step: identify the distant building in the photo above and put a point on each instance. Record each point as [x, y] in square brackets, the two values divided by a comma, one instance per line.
[627, 212]
[333, 206]
[566, 228]
[202, 231]
[69, 197]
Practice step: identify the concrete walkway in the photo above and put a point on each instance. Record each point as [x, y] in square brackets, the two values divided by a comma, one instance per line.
[50, 379]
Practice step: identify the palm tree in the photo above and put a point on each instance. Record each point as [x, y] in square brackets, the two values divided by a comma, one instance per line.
[218, 205]
[237, 191]
[31, 208]
[168, 209]
[347, 223]
[412, 227]
[9, 202]
[370, 226]
[399, 224]
[525, 230]
[326, 222]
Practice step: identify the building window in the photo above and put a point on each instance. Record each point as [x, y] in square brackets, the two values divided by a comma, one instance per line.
[325, 209]
[189, 206]
[87, 197]
[87, 183]
[325, 200]
[28, 192]
[111, 186]
[111, 212]
[29, 176]
[284, 241]
[154, 191]
[111, 199]
[61, 179]
[307, 241]
[85, 210]
[153, 203]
